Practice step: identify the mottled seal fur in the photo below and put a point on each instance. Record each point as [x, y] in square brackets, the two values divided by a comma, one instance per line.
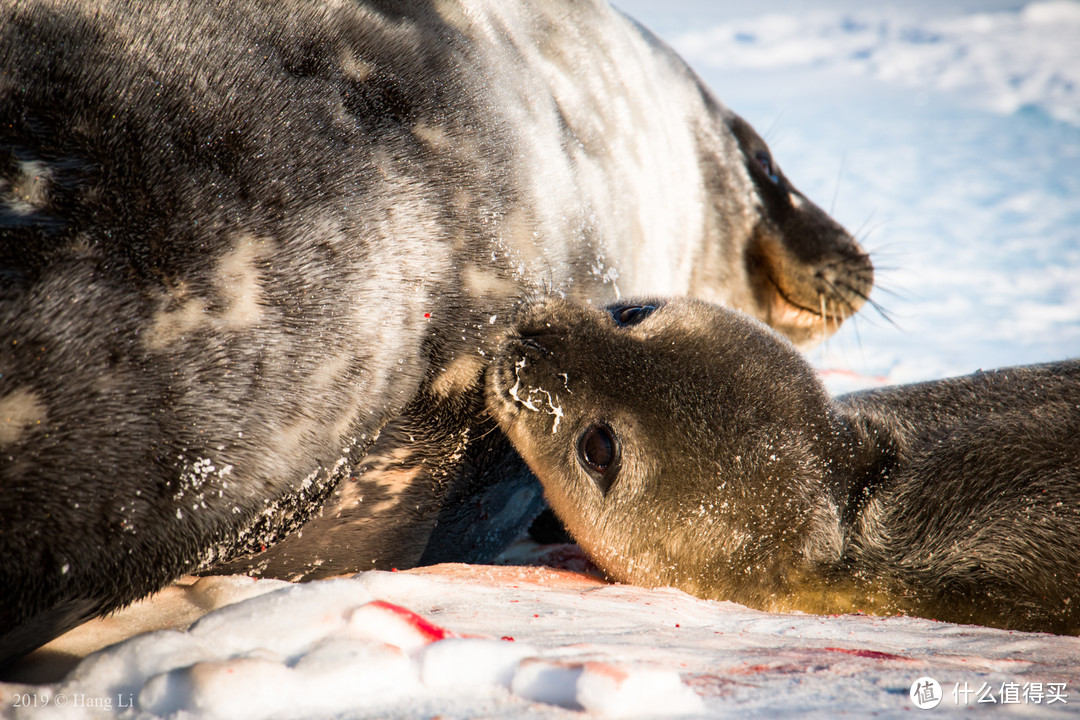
[256, 254]
[686, 444]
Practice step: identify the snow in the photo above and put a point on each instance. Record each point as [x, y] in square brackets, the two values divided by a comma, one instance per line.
[948, 136]
[1006, 60]
[521, 642]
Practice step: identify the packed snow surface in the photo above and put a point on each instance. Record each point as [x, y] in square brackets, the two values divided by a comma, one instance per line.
[455, 641]
[1005, 61]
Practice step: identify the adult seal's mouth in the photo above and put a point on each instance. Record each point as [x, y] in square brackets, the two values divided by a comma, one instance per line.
[808, 299]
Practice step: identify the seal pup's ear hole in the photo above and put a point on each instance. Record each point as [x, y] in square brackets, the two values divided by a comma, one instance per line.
[598, 452]
[765, 160]
[627, 315]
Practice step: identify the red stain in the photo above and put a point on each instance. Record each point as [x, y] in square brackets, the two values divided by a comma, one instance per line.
[612, 672]
[839, 372]
[872, 654]
[507, 638]
[429, 630]
[754, 669]
[810, 661]
[427, 315]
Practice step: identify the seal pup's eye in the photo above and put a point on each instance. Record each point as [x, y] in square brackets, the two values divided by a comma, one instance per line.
[765, 161]
[598, 451]
[631, 314]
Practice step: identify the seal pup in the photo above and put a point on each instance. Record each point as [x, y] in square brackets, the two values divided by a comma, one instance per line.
[686, 444]
[255, 256]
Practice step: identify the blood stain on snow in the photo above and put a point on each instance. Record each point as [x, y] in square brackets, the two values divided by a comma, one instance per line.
[778, 668]
[617, 674]
[871, 654]
[427, 629]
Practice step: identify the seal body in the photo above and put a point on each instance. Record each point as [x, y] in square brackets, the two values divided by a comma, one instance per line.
[255, 256]
[686, 444]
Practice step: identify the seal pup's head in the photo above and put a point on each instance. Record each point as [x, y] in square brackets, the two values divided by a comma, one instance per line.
[680, 442]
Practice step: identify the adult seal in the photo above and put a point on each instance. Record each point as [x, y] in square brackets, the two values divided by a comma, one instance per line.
[256, 254]
[686, 444]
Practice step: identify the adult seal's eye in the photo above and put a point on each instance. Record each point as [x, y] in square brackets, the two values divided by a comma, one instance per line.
[766, 162]
[598, 451]
[631, 314]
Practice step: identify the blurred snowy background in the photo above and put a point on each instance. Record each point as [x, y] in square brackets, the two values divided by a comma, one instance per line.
[945, 134]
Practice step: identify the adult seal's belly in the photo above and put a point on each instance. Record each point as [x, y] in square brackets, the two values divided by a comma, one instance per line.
[250, 249]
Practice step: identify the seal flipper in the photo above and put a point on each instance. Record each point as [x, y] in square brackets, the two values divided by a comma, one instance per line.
[497, 500]
[438, 485]
[377, 518]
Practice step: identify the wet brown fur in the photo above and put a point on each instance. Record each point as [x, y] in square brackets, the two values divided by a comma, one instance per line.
[741, 479]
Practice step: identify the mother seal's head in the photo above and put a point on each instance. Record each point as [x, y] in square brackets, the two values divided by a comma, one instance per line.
[804, 273]
[686, 444]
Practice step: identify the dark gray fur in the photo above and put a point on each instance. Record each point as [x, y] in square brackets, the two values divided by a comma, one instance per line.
[739, 478]
[255, 256]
